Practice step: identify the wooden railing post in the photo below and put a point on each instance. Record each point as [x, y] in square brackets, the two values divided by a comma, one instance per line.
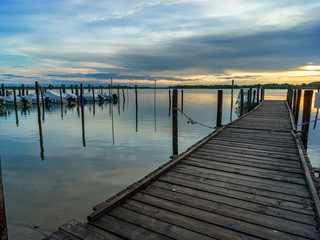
[174, 123]
[258, 96]
[294, 101]
[3, 219]
[306, 116]
[241, 102]
[254, 99]
[3, 90]
[296, 115]
[219, 108]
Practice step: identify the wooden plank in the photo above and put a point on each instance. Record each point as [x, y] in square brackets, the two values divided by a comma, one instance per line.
[126, 230]
[86, 232]
[248, 162]
[158, 226]
[279, 224]
[235, 185]
[251, 202]
[242, 165]
[229, 224]
[205, 172]
[285, 179]
[184, 219]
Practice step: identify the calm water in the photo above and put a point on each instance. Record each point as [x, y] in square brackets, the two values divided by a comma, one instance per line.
[58, 171]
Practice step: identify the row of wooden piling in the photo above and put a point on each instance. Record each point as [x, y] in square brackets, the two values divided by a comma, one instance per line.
[294, 102]
[253, 99]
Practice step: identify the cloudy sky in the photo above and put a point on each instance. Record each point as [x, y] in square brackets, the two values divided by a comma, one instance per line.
[171, 41]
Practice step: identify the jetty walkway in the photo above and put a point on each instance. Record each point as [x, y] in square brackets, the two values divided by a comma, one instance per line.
[247, 180]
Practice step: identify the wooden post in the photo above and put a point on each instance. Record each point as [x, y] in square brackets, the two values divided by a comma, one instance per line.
[27, 92]
[248, 100]
[22, 87]
[88, 87]
[71, 89]
[50, 86]
[123, 95]
[296, 115]
[37, 94]
[232, 84]
[241, 102]
[306, 116]
[81, 94]
[174, 123]
[289, 97]
[136, 94]
[61, 99]
[219, 108]
[182, 99]
[262, 94]
[3, 90]
[14, 96]
[110, 91]
[63, 88]
[254, 99]
[41, 92]
[169, 102]
[258, 97]
[3, 219]
[77, 93]
[294, 101]
[94, 99]
[20, 92]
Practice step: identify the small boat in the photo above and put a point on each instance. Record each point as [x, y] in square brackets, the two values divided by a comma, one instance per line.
[53, 96]
[9, 100]
[29, 99]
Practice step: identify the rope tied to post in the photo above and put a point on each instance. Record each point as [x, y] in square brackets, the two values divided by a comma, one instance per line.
[191, 121]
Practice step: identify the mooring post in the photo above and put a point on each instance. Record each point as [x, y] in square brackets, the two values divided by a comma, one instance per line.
[123, 95]
[61, 99]
[89, 87]
[182, 99]
[3, 90]
[136, 94]
[19, 89]
[50, 86]
[248, 100]
[3, 219]
[241, 102]
[77, 93]
[14, 97]
[110, 91]
[219, 108]
[262, 94]
[71, 86]
[294, 100]
[22, 87]
[306, 116]
[63, 88]
[38, 102]
[94, 99]
[296, 115]
[81, 94]
[174, 123]
[254, 99]
[27, 92]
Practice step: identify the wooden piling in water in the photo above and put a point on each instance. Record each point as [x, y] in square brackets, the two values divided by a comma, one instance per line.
[3, 90]
[248, 100]
[174, 123]
[71, 86]
[219, 108]
[296, 115]
[61, 99]
[77, 93]
[110, 91]
[294, 101]
[63, 88]
[241, 102]
[136, 95]
[306, 116]
[27, 92]
[14, 97]
[41, 92]
[22, 88]
[94, 99]
[81, 94]
[182, 99]
[89, 87]
[123, 95]
[19, 91]
[254, 99]
[258, 96]
[3, 219]
[118, 93]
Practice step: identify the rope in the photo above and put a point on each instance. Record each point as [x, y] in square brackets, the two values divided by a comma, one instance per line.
[191, 121]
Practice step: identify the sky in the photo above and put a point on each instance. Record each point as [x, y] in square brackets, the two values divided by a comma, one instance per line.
[172, 42]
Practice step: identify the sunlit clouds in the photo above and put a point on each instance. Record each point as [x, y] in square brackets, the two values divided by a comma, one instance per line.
[175, 42]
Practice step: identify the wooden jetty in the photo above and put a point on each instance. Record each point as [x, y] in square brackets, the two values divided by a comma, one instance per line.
[247, 180]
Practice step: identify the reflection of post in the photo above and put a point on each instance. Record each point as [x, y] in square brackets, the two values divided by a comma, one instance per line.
[136, 94]
[42, 101]
[15, 106]
[306, 116]
[241, 102]
[3, 219]
[296, 115]
[219, 108]
[174, 123]
[123, 95]
[82, 116]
